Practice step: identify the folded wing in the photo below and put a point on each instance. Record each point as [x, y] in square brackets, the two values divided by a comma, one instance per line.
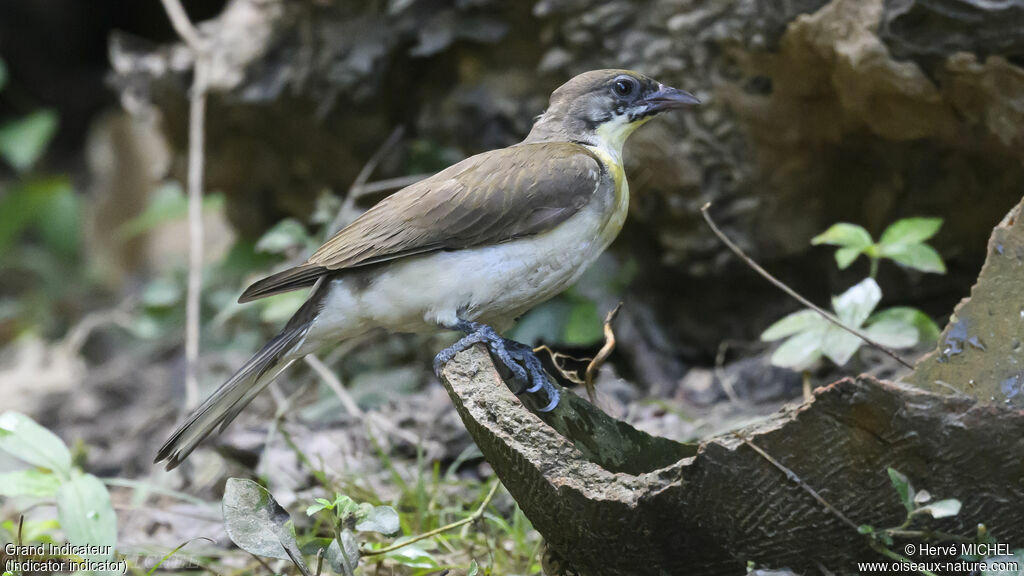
[487, 199]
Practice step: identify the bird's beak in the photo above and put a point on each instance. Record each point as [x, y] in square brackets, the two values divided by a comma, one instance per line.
[668, 98]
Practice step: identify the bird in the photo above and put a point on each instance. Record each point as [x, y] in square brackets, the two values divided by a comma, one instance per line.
[469, 249]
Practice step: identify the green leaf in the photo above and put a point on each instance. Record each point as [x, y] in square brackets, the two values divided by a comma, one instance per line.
[26, 203]
[799, 321]
[927, 329]
[903, 489]
[910, 231]
[22, 438]
[284, 236]
[31, 483]
[256, 523]
[314, 508]
[168, 203]
[800, 352]
[24, 140]
[917, 256]
[839, 346]
[942, 508]
[844, 234]
[893, 333]
[474, 568]
[321, 504]
[59, 220]
[584, 326]
[855, 305]
[86, 514]
[382, 519]
[847, 255]
[865, 529]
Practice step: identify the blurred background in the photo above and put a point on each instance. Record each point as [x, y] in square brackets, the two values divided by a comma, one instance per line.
[815, 112]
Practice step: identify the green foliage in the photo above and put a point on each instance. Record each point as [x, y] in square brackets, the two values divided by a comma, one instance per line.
[84, 508]
[918, 504]
[167, 204]
[902, 242]
[809, 337]
[23, 141]
[23, 438]
[47, 204]
[257, 524]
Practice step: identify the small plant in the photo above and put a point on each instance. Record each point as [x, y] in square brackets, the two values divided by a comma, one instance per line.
[84, 509]
[902, 242]
[918, 504]
[809, 337]
[256, 523]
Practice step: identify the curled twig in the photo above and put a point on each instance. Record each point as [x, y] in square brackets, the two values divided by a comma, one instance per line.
[563, 362]
[781, 286]
[602, 354]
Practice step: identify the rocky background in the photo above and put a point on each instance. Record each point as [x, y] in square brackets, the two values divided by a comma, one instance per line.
[815, 112]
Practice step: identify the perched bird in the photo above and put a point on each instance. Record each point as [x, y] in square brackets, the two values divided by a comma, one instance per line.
[469, 249]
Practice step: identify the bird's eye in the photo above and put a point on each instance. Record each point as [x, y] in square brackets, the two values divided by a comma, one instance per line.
[624, 87]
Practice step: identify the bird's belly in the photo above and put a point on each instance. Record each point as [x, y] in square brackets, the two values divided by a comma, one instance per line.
[491, 284]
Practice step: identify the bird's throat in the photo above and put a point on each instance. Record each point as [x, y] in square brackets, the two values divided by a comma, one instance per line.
[612, 135]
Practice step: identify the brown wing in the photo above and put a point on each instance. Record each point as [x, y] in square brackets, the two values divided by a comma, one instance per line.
[490, 198]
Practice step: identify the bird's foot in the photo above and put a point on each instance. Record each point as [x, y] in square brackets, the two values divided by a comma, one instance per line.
[527, 371]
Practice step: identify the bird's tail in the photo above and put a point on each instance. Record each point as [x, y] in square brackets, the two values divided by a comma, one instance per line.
[235, 394]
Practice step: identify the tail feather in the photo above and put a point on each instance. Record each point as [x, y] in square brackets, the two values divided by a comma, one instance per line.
[233, 396]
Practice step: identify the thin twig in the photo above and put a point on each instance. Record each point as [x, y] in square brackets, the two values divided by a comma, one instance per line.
[183, 26]
[334, 384]
[196, 120]
[478, 514]
[778, 284]
[799, 482]
[263, 563]
[723, 378]
[602, 354]
[364, 174]
[387, 184]
[319, 560]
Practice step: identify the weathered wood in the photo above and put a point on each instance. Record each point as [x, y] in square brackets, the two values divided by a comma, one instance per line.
[712, 512]
[981, 351]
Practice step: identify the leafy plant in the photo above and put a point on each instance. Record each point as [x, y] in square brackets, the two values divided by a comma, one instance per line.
[258, 524]
[902, 242]
[809, 337]
[84, 509]
[918, 505]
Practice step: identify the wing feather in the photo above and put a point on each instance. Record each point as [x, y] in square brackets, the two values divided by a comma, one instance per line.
[490, 198]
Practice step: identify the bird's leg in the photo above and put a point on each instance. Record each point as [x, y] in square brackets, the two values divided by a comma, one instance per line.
[527, 370]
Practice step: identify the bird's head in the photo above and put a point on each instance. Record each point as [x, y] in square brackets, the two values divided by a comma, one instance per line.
[603, 107]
